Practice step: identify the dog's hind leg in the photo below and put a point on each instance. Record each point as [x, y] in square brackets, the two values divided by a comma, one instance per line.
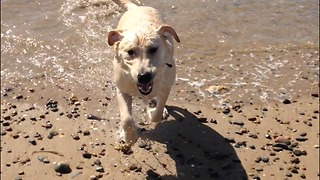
[129, 129]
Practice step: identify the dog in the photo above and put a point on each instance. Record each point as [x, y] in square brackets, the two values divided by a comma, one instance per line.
[143, 63]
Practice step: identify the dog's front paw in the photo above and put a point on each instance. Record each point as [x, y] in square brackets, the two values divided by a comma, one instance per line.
[128, 133]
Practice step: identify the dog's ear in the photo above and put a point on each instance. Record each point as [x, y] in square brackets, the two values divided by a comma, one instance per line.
[113, 37]
[167, 29]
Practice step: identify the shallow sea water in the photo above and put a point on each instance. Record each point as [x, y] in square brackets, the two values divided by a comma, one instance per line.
[245, 48]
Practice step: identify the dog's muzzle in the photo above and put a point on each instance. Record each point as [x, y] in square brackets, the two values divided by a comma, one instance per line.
[145, 83]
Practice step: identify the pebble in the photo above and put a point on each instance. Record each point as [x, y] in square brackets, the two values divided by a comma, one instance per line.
[240, 123]
[142, 145]
[303, 176]
[93, 117]
[133, 167]
[252, 119]
[225, 110]
[97, 162]
[267, 136]
[258, 159]
[265, 159]
[99, 169]
[15, 136]
[282, 140]
[254, 136]
[62, 168]
[93, 177]
[214, 121]
[6, 123]
[86, 133]
[75, 136]
[280, 146]
[298, 152]
[288, 174]
[295, 160]
[18, 178]
[2, 133]
[295, 171]
[301, 139]
[315, 95]
[54, 133]
[286, 101]
[33, 142]
[87, 155]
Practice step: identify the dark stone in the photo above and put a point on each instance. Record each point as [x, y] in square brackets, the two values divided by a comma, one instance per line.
[286, 101]
[62, 168]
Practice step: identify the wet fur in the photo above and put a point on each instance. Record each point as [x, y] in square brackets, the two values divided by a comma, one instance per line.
[140, 29]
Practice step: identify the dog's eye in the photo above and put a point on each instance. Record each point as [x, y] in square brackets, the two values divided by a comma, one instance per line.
[152, 50]
[130, 52]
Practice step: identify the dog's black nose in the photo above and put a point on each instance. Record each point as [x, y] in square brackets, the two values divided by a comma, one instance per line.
[145, 78]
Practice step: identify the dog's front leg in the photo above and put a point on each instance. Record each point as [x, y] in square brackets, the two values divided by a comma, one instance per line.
[129, 129]
[159, 112]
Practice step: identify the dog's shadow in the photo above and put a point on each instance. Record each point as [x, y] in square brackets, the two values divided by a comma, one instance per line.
[199, 152]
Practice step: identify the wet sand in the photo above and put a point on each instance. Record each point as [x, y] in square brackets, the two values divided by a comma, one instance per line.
[50, 130]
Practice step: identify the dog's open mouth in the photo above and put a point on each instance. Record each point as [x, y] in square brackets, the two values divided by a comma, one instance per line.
[145, 89]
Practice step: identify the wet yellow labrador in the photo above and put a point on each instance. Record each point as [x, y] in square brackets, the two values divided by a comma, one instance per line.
[143, 63]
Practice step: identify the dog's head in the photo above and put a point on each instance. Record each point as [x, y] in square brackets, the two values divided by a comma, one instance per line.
[143, 52]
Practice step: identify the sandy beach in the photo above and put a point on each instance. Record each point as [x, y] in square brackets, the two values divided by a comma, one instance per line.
[245, 104]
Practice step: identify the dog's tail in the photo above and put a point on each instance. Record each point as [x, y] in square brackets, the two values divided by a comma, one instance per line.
[127, 4]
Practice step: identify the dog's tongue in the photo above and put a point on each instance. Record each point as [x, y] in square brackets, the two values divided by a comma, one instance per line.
[145, 87]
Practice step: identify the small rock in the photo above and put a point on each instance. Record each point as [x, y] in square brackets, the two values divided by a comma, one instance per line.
[265, 159]
[62, 168]
[294, 171]
[97, 162]
[21, 172]
[93, 177]
[301, 139]
[19, 96]
[86, 133]
[142, 145]
[279, 146]
[54, 133]
[18, 178]
[15, 136]
[267, 136]
[33, 142]
[282, 140]
[298, 152]
[93, 117]
[315, 95]
[257, 160]
[214, 121]
[303, 176]
[87, 155]
[133, 167]
[225, 110]
[6, 123]
[286, 101]
[295, 160]
[99, 169]
[288, 174]
[252, 119]
[240, 123]
[75, 136]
